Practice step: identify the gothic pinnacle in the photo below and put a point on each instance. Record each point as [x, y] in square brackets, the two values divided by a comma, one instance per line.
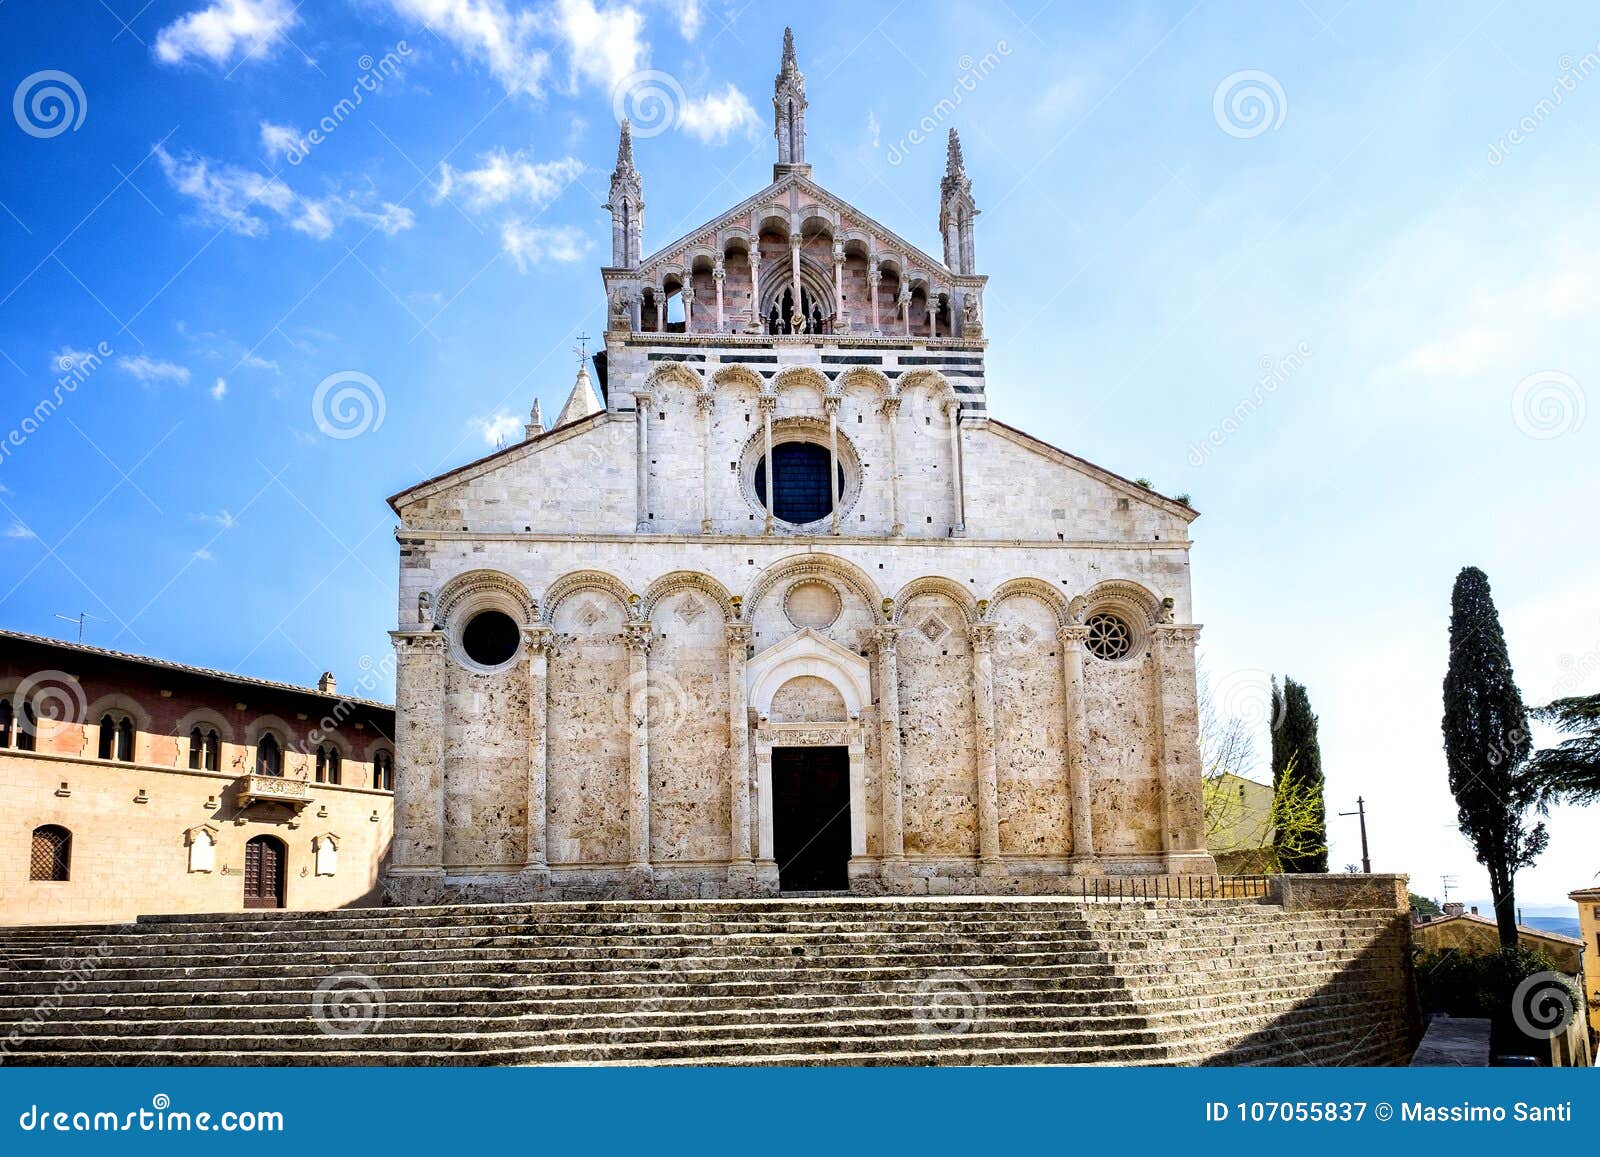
[788, 49]
[625, 147]
[955, 165]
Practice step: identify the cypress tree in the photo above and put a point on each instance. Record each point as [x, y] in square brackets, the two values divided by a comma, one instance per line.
[1296, 755]
[1486, 746]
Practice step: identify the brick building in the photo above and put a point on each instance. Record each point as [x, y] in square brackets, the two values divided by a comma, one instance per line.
[133, 785]
[782, 606]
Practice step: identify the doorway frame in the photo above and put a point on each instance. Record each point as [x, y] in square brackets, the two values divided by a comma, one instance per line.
[261, 840]
[846, 735]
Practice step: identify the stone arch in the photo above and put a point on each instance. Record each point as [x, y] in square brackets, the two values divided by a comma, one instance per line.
[801, 428]
[475, 588]
[806, 653]
[1034, 588]
[688, 580]
[1131, 598]
[678, 372]
[801, 376]
[203, 717]
[585, 580]
[808, 699]
[937, 585]
[803, 565]
[114, 702]
[933, 379]
[737, 375]
[874, 379]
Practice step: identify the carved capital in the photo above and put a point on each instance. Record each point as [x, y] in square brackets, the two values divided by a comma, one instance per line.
[737, 634]
[705, 400]
[639, 634]
[889, 407]
[643, 399]
[1174, 635]
[768, 403]
[1072, 638]
[538, 640]
[886, 639]
[982, 636]
[830, 404]
[428, 642]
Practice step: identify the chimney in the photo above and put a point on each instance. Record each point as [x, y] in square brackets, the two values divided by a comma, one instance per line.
[327, 684]
[1455, 909]
[1474, 909]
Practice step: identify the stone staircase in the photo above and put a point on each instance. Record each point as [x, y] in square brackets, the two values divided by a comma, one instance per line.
[907, 981]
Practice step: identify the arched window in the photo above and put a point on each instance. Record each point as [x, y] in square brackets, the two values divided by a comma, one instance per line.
[205, 749]
[116, 738]
[7, 715]
[800, 482]
[328, 761]
[52, 853]
[27, 729]
[269, 756]
[383, 771]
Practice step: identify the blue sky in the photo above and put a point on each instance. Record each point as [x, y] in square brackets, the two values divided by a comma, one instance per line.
[1326, 267]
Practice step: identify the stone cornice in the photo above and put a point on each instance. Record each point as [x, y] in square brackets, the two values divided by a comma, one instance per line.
[415, 535]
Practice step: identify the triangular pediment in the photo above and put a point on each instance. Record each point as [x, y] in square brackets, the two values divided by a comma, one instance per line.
[807, 652]
[791, 196]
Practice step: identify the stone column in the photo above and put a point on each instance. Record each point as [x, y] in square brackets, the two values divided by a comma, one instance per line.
[741, 869]
[958, 483]
[766, 859]
[838, 282]
[718, 273]
[933, 314]
[830, 406]
[537, 641]
[640, 634]
[1177, 746]
[661, 307]
[769, 403]
[1075, 725]
[755, 284]
[891, 788]
[706, 400]
[873, 277]
[890, 408]
[794, 274]
[419, 772]
[989, 863]
[905, 307]
[642, 401]
[688, 302]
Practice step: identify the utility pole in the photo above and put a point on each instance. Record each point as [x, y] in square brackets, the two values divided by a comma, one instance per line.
[1361, 812]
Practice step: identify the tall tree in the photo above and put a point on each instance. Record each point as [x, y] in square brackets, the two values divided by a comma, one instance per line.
[1297, 775]
[1486, 745]
[1571, 770]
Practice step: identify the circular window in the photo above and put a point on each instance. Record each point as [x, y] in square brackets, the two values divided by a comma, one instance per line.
[799, 482]
[1109, 637]
[812, 604]
[490, 638]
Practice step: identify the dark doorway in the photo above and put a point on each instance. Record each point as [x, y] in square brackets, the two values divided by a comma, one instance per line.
[811, 817]
[263, 873]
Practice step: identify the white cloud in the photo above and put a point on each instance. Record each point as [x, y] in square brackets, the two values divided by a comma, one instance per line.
[528, 245]
[486, 31]
[714, 118]
[203, 555]
[224, 28]
[501, 427]
[239, 199]
[503, 176]
[604, 45]
[220, 390]
[18, 530]
[688, 14]
[222, 518]
[151, 371]
[281, 140]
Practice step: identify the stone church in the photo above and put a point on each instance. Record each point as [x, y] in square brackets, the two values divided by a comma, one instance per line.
[777, 605]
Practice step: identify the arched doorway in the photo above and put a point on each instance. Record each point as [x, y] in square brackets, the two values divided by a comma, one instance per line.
[265, 861]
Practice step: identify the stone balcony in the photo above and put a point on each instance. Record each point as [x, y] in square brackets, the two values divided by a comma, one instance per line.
[291, 793]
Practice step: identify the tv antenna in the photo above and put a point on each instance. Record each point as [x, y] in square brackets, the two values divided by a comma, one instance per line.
[1446, 883]
[80, 618]
[582, 348]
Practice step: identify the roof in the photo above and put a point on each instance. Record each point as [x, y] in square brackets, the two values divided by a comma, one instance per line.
[537, 443]
[1522, 929]
[1181, 509]
[1584, 894]
[184, 668]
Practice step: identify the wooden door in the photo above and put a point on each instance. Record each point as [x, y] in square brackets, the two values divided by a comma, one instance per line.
[263, 873]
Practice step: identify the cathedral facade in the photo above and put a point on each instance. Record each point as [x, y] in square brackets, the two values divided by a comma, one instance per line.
[776, 605]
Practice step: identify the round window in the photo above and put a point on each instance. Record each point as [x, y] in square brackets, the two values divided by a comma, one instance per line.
[490, 638]
[800, 491]
[1109, 637]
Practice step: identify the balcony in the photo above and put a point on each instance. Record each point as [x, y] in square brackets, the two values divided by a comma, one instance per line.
[291, 793]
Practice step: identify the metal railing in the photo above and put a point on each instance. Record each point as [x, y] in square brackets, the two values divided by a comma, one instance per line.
[1176, 887]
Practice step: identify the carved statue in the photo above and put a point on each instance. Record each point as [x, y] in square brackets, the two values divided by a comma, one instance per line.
[972, 315]
[1076, 609]
[424, 607]
[1168, 611]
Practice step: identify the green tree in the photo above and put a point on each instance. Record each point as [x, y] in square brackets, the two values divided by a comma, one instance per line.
[1423, 906]
[1486, 745]
[1297, 781]
[1570, 771]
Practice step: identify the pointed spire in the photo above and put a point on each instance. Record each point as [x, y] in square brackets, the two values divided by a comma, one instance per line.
[956, 210]
[581, 402]
[535, 426]
[789, 111]
[625, 147]
[955, 166]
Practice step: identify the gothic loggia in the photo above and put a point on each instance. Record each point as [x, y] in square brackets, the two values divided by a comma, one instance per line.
[777, 605]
